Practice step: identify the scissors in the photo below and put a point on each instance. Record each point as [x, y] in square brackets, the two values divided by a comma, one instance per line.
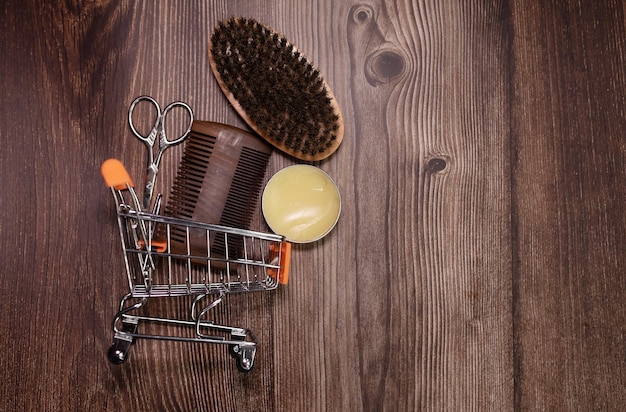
[154, 159]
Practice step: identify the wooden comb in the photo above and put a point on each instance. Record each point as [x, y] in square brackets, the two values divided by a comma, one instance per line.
[218, 182]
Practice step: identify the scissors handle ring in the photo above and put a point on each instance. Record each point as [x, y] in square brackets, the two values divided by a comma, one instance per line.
[164, 140]
[151, 137]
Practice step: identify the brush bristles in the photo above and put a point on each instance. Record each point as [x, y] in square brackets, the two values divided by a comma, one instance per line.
[276, 90]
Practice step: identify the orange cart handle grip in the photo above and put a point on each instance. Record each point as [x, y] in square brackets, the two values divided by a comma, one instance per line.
[115, 174]
[285, 263]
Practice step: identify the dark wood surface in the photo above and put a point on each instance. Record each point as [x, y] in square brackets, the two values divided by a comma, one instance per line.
[478, 262]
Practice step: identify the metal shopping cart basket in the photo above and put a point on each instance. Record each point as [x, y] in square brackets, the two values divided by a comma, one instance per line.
[249, 261]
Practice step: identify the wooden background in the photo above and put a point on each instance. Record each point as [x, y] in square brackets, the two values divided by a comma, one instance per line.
[478, 262]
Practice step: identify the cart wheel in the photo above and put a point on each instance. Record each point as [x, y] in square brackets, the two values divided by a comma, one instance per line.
[244, 356]
[244, 366]
[118, 352]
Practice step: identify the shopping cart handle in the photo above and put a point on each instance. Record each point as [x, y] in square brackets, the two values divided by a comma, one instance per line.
[281, 274]
[115, 174]
[285, 263]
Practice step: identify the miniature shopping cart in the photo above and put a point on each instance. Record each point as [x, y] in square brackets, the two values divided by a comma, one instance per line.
[245, 261]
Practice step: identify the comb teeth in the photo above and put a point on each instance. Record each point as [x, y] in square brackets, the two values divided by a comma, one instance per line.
[275, 89]
[218, 182]
[245, 188]
[191, 174]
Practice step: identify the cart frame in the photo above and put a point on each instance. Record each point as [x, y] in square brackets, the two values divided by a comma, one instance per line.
[249, 261]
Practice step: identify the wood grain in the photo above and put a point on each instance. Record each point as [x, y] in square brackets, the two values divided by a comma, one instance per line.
[568, 117]
[477, 262]
[429, 133]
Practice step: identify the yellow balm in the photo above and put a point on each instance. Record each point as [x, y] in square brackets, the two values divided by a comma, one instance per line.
[302, 203]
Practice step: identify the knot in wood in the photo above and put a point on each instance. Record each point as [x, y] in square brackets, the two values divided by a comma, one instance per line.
[384, 66]
[436, 165]
[362, 13]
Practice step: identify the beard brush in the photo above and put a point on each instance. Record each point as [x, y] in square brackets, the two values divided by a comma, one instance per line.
[218, 182]
[275, 89]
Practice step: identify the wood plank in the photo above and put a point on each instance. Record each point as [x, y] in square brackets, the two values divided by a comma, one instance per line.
[568, 122]
[50, 308]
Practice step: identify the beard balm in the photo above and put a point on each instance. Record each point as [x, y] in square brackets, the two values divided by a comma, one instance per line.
[301, 203]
